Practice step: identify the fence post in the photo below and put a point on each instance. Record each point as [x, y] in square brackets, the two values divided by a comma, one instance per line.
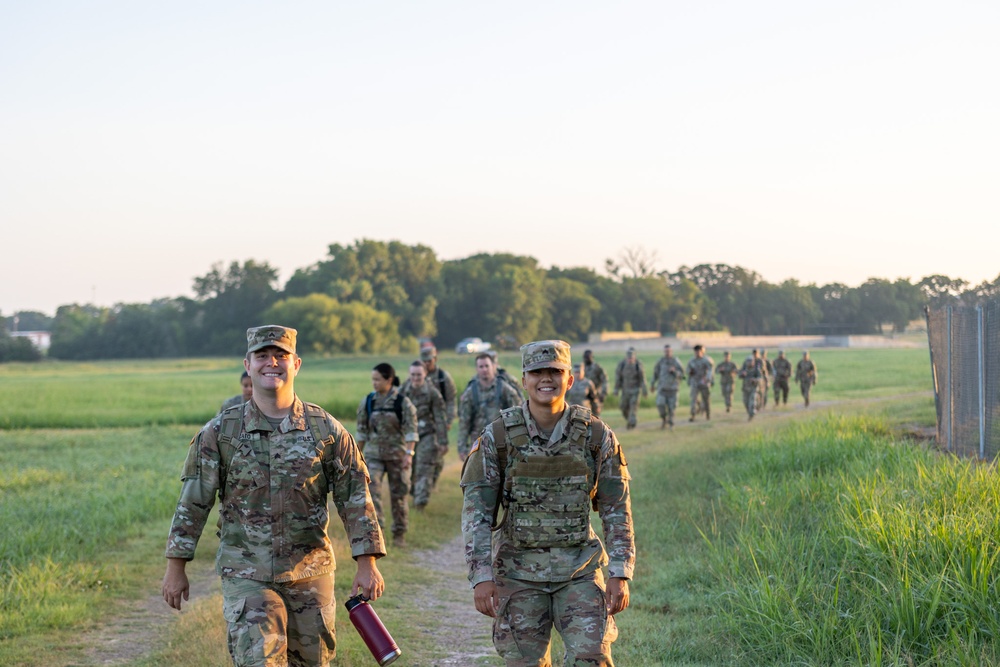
[980, 344]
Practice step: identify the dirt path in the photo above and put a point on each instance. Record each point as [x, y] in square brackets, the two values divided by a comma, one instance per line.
[141, 624]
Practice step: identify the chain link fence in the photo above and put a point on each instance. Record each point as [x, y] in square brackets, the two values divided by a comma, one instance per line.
[965, 362]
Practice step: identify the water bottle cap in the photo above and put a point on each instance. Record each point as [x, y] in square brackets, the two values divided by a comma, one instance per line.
[353, 602]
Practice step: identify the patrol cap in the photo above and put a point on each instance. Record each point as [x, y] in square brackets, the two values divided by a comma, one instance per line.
[545, 354]
[428, 352]
[271, 335]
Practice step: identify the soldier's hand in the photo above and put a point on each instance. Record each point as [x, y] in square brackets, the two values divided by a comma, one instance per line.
[368, 580]
[175, 583]
[617, 595]
[486, 599]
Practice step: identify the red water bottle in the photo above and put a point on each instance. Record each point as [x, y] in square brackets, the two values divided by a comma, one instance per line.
[370, 627]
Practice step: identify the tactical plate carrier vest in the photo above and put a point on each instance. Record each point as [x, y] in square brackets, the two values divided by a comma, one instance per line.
[547, 499]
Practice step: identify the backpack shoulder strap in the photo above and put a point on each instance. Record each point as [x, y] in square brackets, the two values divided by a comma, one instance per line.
[369, 399]
[397, 407]
[509, 429]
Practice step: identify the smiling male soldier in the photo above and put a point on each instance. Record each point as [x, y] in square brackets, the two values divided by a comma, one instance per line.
[540, 467]
[272, 462]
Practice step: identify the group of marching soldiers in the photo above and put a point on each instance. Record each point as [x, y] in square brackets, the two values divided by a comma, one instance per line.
[759, 375]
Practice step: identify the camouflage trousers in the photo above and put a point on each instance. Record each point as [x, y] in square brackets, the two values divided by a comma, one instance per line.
[666, 403]
[280, 625]
[806, 389]
[398, 471]
[704, 392]
[727, 393]
[751, 395]
[629, 406]
[780, 391]
[425, 462]
[576, 609]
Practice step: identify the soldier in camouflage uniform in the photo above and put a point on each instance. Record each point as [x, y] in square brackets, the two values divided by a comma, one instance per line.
[667, 375]
[583, 391]
[445, 384]
[272, 462]
[768, 368]
[752, 373]
[387, 434]
[481, 402]
[596, 374]
[241, 398]
[805, 375]
[630, 379]
[701, 377]
[782, 374]
[727, 375]
[541, 568]
[432, 429]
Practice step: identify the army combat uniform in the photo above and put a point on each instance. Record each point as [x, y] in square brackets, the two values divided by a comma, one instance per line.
[595, 373]
[782, 374]
[752, 373]
[478, 407]
[232, 402]
[805, 375]
[432, 428]
[667, 375]
[272, 480]
[700, 378]
[727, 376]
[630, 380]
[545, 557]
[382, 435]
[583, 393]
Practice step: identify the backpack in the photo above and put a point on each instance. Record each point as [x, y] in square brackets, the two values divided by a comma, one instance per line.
[511, 424]
[503, 377]
[397, 406]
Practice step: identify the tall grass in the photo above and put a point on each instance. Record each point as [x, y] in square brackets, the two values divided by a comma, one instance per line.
[835, 544]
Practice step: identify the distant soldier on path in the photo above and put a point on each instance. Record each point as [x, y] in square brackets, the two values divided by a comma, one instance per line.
[701, 377]
[782, 374]
[630, 380]
[805, 375]
[482, 401]
[583, 391]
[667, 376]
[768, 368]
[445, 384]
[432, 432]
[727, 371]
[752, 373]
[596, 374]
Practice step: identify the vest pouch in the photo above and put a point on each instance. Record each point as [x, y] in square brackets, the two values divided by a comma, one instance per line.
[549, 502]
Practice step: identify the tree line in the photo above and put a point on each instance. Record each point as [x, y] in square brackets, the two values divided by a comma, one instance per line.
[375, 296]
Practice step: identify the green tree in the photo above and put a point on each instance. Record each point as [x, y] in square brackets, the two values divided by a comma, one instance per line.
[231, 301]
[939, 290]
[327, 326]
[570, 308]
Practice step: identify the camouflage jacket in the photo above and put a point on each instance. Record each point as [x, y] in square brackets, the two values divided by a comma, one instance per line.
[752, 372]
[701, 372]
[232, 402]
[445, 384]
[582, 393]
[727, 372]
[473, 415]
[782, 368]
[596, 374]
[667, 374]
[381, 435]
[491, 555]
[272, 486]
[630, 377]
[431, 416]
[805, 371]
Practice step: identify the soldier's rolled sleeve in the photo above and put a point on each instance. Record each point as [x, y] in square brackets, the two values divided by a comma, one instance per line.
[464, 422]
[200, 485]
[481, 489]
[440, 418]
[362, 418]
[614, 505]
[353, 499]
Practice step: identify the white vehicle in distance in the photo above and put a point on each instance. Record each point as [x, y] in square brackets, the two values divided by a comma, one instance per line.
[472, 346]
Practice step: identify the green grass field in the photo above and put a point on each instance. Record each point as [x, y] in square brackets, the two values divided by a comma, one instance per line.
[808, 537]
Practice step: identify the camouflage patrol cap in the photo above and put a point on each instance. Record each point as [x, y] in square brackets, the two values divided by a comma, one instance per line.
[545, 354]
[271, 335]
[428, 352]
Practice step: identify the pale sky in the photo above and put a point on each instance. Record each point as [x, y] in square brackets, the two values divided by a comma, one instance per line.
[142, 142]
